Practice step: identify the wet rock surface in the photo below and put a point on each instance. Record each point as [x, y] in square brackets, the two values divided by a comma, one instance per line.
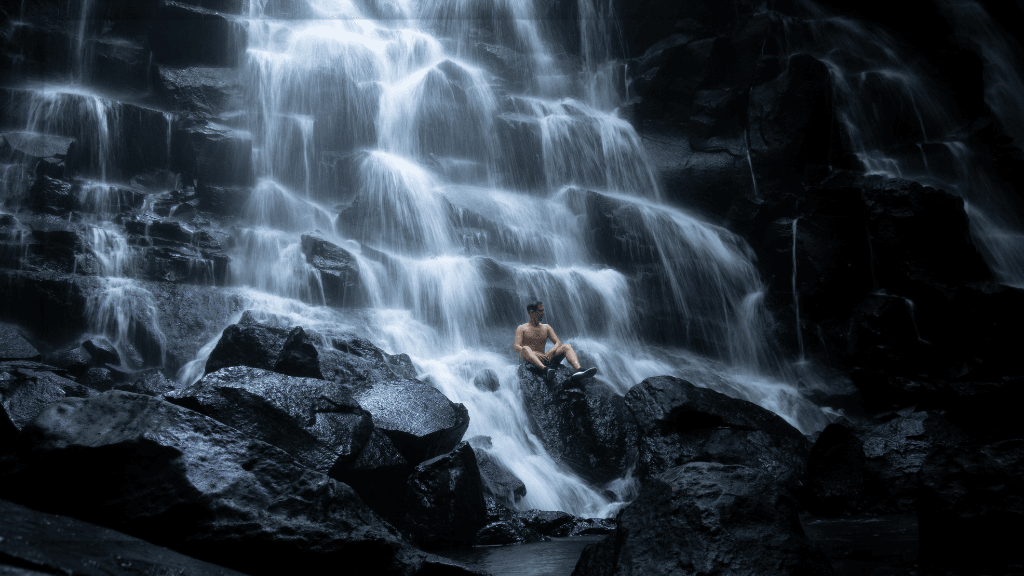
[707, 518]
[418, 419]
[206, 490]
[679, 423]
[40, 543]
[584, 425]
[319, 423]
[444, 501]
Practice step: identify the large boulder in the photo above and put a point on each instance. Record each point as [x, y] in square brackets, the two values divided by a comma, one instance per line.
[40, 543]
[418, 419]
[894, 452]
[319, 423]
[707, 518]
[836, 471]
[248, 343]
[26, 388]
[445, 503]
[498, 481]
[967, 505]
[679, 422]
[377, 475]
[180, 479]
[874, 469]
[587, 429]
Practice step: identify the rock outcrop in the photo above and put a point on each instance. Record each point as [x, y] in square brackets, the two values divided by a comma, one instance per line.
[707, 518]
[679, 423]
[180, 479]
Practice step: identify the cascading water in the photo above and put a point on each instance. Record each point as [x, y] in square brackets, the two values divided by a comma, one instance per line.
[462, 199]
[901, 125]
[462, 160]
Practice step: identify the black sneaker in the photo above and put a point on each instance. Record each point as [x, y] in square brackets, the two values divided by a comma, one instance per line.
[581, 374]
[550, 374]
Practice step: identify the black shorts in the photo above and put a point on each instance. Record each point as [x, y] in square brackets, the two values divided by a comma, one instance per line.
[553, 363]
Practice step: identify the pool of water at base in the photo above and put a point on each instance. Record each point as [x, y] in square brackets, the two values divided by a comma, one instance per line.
[856, 546]
[556, 557]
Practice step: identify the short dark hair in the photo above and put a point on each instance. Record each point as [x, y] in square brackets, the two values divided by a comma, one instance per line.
[533, 306]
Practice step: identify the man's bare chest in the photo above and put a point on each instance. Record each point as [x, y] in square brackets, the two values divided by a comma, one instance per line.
[535, 335]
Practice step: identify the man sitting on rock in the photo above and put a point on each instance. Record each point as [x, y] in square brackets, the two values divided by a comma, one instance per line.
[532, 337]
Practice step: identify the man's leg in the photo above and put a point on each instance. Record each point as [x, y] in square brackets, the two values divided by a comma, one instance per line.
[570, 355]
[532, 357]
[568, 352]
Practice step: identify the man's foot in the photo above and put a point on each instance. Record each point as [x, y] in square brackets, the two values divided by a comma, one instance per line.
[550, 373]
[581, 374]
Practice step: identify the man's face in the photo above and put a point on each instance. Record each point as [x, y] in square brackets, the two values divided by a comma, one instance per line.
[538, 314]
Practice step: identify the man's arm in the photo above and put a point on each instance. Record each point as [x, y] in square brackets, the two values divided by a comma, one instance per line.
[551, 334]
[517, 344]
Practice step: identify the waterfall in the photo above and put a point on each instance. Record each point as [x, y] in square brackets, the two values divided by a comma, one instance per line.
[465, 193]
[470, 165]
[901, 125]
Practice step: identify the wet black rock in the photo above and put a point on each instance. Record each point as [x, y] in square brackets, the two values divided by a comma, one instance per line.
[547, 522]
[206, 490]
[378, 475]
[791, 121]
[299, 356]
[444, 503]
[215, 155]
[184, 35]
[150, 382]
[52, 304]
[584, 527]
[40, 543]
[339, 271]
[505, 526]
[200, 91]
[418, 419]
[53, 196]
[486, 380]
[14, 346]
[707, 518]
[894, 452]
[836, 471]
[317, 422]
[968, 499]
[679, 423]
[248, 343]
[26, 388]
[584, 425]
[498, 481]
[102, 351]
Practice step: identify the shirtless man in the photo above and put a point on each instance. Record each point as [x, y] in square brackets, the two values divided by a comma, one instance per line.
[533, 336]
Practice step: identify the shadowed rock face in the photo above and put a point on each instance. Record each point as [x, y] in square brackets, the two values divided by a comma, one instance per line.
[52, 544]
[182, 480]
[679, 423]
[707, 518]
[444, 500]
[968, 499]
[317, 422]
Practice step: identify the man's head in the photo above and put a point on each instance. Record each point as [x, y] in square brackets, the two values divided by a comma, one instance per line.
[536, 310]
